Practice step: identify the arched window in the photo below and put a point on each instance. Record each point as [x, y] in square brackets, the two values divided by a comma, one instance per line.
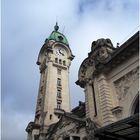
[67, 138]
[50, 116]
[135, 106]
[58, 105]
[76, 138]
[58, 93]
[58, 82]
[64, 63]
[60, 61]
[56, 60]
[59, 71]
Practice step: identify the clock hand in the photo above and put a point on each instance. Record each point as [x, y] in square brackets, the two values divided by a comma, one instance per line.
[61, 52]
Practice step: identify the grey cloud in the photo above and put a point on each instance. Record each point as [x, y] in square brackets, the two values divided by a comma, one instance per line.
[13, 127]
[107, 8]
[25, 26]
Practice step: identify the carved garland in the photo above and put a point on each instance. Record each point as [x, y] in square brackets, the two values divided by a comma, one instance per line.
[123, 84]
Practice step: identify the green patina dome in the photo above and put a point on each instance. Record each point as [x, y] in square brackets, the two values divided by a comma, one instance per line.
[57, 36]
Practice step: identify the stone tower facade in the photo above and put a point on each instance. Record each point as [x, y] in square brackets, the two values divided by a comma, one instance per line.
[54, 60]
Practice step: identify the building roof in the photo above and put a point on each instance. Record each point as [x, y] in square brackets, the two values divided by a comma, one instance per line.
[57, 36]
[79, 110]
[126, 129]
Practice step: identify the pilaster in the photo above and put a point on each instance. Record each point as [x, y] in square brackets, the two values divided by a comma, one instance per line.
[90, 112]
[105, 100]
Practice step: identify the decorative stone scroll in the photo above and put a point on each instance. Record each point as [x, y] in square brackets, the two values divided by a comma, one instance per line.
[123, 84]
[84, 72]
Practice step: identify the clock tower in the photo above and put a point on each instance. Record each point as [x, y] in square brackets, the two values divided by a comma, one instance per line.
[54, 61]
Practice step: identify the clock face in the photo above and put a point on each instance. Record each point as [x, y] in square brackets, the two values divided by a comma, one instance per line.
[60, 51]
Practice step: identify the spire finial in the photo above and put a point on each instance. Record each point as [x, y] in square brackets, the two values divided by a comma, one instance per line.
[56, 27]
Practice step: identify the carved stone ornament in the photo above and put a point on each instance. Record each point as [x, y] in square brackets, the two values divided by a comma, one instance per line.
[123, 84]
[102, 54]
[89, 72]
[64, 124]
[102, 49]
[65, 135]
[91, 126]
[86, 70]
[50, 43]
[67, 128]
[69, 132]
[43, 66]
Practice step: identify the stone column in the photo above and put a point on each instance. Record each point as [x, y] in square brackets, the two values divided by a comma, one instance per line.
[105, 100]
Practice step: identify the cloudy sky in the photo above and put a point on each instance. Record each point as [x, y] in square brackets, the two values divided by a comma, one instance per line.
[25, 26]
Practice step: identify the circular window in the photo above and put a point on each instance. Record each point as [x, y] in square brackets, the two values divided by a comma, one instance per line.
[60, 38]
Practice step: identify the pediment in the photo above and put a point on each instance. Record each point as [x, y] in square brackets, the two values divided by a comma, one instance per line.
[66, 123]
[66, 127]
